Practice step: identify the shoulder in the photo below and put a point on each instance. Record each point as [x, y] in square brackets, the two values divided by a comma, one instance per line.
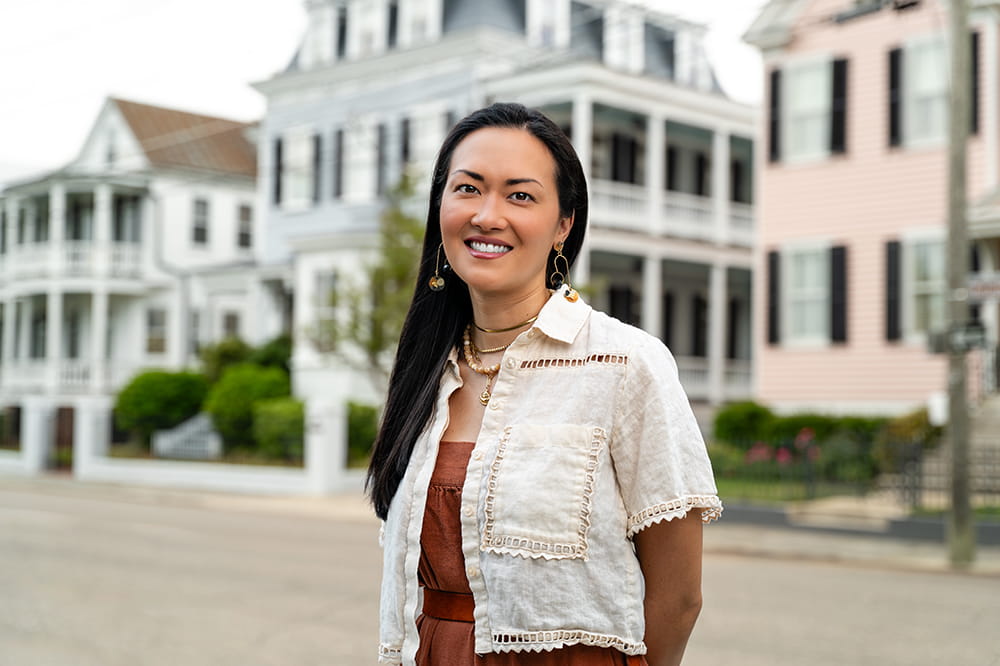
[607, 333]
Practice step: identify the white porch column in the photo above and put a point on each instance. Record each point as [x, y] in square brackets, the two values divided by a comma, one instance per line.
[37, 415]
[652, 296]
[98, 339]
[9, 310]
[57, 226]
[102, 229]
[583, 141]
[53, 338]
[91, 433]
[718, 298]
[720, 184]
[656, 155]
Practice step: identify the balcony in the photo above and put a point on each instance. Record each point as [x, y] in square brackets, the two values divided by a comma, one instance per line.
[628, 207]
[75, 258]
[71, 375]
[694, 376]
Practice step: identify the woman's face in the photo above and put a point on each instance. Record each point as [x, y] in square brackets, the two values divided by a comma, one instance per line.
[500, 212]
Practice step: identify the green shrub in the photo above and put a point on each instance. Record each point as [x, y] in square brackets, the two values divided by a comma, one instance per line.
[279, 428]
[216, 358]
[157, 400]
[742, 423]
[230, 402]
[362, 428]
[275, 353]
[903, 436]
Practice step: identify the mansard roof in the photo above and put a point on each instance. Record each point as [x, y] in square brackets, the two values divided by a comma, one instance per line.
[171, 138]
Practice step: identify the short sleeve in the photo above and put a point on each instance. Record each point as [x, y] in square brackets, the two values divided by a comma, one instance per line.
[657, 448]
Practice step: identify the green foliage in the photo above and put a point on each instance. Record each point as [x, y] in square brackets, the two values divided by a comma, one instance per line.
[216, 358]
[279, 428]
[903, 436]
[362, 428]
[275, 353]
[743, 422]
[157, 400]
[231, 400]
[374, 306]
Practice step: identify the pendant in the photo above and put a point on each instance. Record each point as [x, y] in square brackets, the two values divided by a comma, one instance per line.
[484, 397]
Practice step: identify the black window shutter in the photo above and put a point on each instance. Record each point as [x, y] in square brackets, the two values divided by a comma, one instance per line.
[838, 293]
[317, 165]
[974, 97]
[895, 97]
[338, 163]
[892, 295]
[838, 108]
[774, 122]
[278, 169]
[773, 297]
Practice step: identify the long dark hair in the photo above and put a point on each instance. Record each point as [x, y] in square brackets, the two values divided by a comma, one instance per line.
[435, 321]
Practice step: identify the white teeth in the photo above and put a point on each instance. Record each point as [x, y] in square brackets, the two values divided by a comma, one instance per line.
[488, 248]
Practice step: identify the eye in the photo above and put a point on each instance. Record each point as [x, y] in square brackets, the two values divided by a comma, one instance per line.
[522, 196]
[465, 188]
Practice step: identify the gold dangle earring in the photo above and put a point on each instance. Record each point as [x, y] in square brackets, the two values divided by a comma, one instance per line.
[436, 283]
[558, 277]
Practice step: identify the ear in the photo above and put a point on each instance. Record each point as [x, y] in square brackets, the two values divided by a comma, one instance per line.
[565, 226]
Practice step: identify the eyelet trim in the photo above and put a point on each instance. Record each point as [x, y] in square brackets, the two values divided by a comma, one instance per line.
[611, 359]
[710, 505]
[507, 544]
[389, 655]
[536, 641]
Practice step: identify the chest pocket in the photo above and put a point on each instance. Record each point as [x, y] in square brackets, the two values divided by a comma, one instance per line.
[539, 489]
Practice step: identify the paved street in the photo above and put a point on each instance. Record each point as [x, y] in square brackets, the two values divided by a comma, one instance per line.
[94, 575]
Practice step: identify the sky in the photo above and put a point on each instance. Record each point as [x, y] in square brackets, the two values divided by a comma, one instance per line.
[59, 60]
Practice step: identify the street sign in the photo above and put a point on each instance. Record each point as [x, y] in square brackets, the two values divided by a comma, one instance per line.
[984, 287]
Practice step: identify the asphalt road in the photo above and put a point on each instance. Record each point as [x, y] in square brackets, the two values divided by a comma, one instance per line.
[96, 575]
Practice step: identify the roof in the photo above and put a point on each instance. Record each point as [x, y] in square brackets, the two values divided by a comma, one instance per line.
[171, 138]
[773, 25]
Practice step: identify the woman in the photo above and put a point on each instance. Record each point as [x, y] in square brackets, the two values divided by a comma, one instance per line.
[541, 477]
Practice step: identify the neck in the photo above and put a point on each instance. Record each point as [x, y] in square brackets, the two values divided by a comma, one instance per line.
[497, 312]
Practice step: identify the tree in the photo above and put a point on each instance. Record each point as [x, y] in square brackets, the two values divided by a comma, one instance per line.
[369, 312]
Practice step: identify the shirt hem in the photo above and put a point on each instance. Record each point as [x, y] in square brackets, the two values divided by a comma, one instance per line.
[546, 641]
[710, 505]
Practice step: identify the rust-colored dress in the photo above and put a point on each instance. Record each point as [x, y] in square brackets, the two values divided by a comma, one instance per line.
[442, 567]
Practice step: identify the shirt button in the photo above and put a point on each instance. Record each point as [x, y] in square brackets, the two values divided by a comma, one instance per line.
[472, 572]
[468, 511]
[494, 404]
[511, 363]
[478, 455]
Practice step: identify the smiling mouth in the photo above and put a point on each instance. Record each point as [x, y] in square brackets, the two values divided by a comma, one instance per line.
[488, 248]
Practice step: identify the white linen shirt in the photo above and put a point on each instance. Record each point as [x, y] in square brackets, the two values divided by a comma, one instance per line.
[588, 439]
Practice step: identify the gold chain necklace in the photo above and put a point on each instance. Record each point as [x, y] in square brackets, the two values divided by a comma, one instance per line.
[504, 330]
[473, 361]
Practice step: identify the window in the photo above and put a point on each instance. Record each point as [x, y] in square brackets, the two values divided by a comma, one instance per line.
[199, 226]
[808, 110]
[925, 92]
[925, 259]
[156, 331]
[3, 228]
[393, 24]
[297, 166]
[73, 334]
[807, 293]
[244, 235]
[380, 159]
[341, 32]
[624, 154]
[338, 164]
[317, 166]
[22, 226]
[404, 142]
[36, 341]
[125, 219]
[41, 216]
[194, 335]
[230, 325]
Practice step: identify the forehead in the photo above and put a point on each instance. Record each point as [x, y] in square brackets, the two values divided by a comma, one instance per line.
[504, 152]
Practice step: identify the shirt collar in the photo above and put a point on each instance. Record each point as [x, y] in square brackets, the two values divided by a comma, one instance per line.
[561, 319]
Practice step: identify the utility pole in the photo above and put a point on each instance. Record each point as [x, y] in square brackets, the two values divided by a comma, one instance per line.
[961, 530]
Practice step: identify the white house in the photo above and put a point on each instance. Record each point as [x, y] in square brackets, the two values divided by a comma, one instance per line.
[375, 86]
[129, 257]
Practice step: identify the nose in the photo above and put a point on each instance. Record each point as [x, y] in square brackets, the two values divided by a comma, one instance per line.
[490, 214]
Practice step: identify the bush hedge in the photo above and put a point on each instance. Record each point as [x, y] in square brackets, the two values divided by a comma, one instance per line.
[362, 428]
[279, 428]
[216, 358]
[231, 400]
[157, 400]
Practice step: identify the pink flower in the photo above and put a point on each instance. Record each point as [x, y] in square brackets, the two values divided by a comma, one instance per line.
[759, 452]
[783, 456]
[805, 436]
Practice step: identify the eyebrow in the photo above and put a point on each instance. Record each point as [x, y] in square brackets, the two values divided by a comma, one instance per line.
[510, 181]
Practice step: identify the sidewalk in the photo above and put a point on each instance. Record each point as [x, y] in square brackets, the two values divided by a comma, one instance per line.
[847, 530]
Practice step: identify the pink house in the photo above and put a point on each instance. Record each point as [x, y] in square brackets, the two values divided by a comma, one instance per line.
[852, 205]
